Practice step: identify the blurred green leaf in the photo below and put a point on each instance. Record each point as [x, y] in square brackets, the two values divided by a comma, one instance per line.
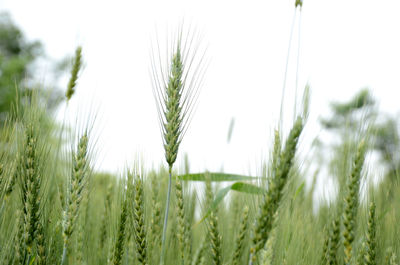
[214, 177]
[237, 186]
[298, 190]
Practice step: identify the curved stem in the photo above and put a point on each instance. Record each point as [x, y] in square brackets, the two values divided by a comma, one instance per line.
[166, 218]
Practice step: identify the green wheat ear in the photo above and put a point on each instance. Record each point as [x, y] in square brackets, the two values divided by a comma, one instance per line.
[241, 237]
[31, 184]
[181, 218]
[76, 188]
[119, 247]
[334, 240]
[279, 178]
[173, 115]
[325, 246]
[139, 222]
[370, 255]
[74, 73]
[176, 88]
[351, 202]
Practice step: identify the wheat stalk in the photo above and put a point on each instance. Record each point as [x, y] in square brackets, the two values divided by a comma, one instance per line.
[172, 126]
[175, 90]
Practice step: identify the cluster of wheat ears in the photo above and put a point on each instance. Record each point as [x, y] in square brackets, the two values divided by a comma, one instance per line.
[56, 210]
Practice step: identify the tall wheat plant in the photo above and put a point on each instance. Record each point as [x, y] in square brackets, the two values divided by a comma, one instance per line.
[175, 87]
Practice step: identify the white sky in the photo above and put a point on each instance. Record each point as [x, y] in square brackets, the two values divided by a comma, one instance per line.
[345, 45]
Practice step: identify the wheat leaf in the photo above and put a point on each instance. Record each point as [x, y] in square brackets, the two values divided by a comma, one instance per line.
[237, 186]
[215, 177]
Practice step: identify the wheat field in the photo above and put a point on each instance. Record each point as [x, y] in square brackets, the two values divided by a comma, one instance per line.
[57, 209]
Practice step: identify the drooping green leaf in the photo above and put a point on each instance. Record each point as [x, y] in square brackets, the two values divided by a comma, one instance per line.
[215, 177]
[247, 188]
[237, 186]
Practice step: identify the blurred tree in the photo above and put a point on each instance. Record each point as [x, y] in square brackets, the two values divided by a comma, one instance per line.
[357, 117]
[17, 67]
[387, 143]
[346, 115]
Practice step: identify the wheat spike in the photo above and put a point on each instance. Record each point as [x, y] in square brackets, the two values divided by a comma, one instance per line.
[139, 221]
[77, 185]
[370, 254]
[74, 73]
[351, 202]
[274, 193]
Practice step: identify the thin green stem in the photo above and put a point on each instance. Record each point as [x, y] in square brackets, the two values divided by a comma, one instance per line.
[166, 218]
[64, 254]
[286, 68]
[297, 66]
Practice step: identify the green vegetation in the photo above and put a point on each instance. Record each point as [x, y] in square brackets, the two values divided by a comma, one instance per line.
[16, 55]
[19, 59]
[55, 209]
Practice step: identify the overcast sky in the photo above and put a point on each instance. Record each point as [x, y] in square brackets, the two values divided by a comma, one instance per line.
[344, 46]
